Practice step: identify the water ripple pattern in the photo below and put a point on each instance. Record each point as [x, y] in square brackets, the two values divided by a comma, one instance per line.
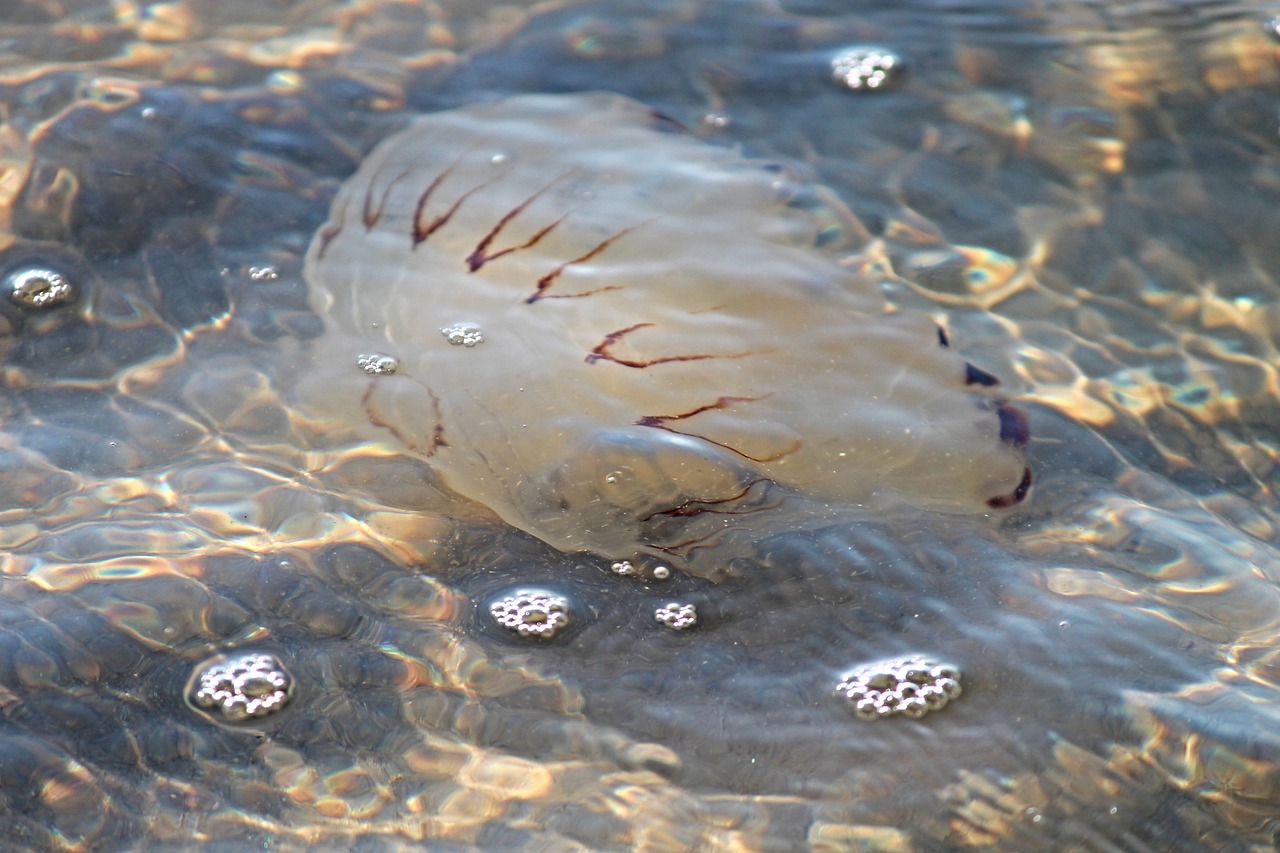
[1077, 201]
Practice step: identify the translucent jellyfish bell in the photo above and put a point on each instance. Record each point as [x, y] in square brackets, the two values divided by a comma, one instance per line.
[665, 348]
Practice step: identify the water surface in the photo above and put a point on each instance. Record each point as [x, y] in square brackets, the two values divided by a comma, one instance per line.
[1084, 195]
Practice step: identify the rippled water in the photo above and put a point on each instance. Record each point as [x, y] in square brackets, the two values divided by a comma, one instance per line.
[1083, 194]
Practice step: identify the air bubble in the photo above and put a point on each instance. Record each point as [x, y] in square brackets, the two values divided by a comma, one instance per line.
[943, 671]
[39, 288]
[934, 697]
[377, 364]
[865, 68]
[880, 680]
[676, 615]
[628, 569]
[463, 335]
[911, 686]
[532, 613]
[241, 688]
[867, 709]
[916, 674]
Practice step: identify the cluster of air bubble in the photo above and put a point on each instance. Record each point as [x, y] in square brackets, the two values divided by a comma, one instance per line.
[911, 686]
[677, 616]
[628, 569]
[39, 288]
[377, 364]
[864, 67]
[531, 613]
[243, 688]
[463, 335]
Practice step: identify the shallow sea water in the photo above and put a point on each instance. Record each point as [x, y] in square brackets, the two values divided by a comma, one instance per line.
[1084, 194]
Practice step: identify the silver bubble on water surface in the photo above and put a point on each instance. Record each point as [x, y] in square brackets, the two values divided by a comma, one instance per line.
[911, 686]
[463, 335]
[242, 688]
[865, 68]
[531, 613]
[628, 569]
[38, 288]
[377, 364]
[677, 616]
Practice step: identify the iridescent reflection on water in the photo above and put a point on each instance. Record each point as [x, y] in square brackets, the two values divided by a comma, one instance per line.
[1085, 194]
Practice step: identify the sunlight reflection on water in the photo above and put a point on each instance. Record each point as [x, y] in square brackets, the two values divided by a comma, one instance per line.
[1084, 196]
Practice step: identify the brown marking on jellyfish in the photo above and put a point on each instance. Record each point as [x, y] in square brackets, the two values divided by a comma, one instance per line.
[601, 351]
[792, 448]
[1016, 496]
[545, 283]
[368, 214]
[978, 376]
[688, 546]
[420, 232]
[330, 232]
[592, 292]
[437, 432]
[481, 256]
[720, 403]
[478, 258]
[1015, 428]
[326, 236]
[663, 123]
[690, 508]
[660, 422]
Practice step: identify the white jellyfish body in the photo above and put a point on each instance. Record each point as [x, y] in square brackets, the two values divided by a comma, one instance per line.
[664, 348]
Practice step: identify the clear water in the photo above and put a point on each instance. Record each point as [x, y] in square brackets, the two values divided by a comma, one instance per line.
[1083, 193]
